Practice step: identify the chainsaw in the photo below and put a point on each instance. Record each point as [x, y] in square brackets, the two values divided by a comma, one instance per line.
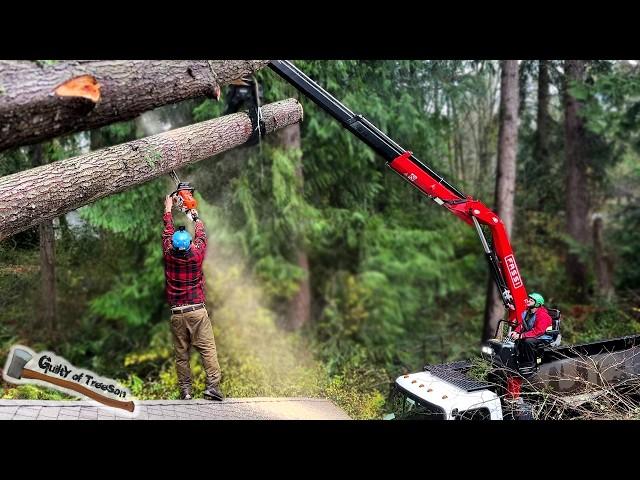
[183, 197]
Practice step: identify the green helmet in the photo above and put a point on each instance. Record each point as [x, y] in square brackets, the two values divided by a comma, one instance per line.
[539, 299]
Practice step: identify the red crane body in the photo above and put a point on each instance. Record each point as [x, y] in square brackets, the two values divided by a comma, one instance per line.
[468, 209]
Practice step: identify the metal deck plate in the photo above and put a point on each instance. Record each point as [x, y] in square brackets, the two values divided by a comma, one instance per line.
[451, 372]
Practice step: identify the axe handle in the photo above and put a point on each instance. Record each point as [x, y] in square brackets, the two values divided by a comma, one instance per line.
[129, 406]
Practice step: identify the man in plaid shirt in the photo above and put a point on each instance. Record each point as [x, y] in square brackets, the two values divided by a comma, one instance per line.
[190, 323]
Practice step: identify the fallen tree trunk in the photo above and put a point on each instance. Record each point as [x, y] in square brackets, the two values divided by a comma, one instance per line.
[38, 102]
[34, 195]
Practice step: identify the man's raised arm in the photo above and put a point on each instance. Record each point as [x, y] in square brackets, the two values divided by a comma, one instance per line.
[168, 225]
[200, 240]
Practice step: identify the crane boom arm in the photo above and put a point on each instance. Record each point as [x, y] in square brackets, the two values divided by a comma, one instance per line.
[500, 256]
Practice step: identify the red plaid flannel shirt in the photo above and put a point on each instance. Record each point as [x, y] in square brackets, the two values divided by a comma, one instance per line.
[183, 270]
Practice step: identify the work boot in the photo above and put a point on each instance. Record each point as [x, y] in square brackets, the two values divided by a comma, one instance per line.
[213, 393]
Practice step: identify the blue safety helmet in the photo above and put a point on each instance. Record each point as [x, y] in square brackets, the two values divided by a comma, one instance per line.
[181, 240]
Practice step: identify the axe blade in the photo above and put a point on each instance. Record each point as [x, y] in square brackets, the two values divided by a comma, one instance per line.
[18, 361]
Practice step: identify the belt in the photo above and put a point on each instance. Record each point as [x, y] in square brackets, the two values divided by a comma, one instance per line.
[187, 309]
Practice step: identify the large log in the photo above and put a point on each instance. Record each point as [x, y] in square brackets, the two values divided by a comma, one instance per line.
[34, 195]
[41, 101]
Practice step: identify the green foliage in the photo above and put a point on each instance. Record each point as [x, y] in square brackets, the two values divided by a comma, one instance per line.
[207, 110]
[33, 392]
[480, 369]
[135, 296]
[610, 320]
[627, 240]
[612, 104]
[14, 160]
[541, 235]
[280, 278]
[579, 91]
[130, 213]
[131, 217]
[272, 215]
[356, 396]
[113, 134]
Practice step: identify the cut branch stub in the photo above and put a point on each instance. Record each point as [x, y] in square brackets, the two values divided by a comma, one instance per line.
[49, 191]
[84, 86]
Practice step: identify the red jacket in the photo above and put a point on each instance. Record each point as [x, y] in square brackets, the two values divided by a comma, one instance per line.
[541, 320]
[183, 270]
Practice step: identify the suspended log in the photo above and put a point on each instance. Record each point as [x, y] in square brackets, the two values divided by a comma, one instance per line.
[34, 195]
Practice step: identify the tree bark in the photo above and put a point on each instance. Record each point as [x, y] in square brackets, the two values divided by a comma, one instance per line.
[577, 192]
[299, 308]
[31, 111]
[543, 121]
[543, 117]
[47, 313]
[52, 190]
[506, 179]
[602, 261]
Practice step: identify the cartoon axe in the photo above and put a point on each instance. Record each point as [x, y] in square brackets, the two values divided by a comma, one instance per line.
[16, 370]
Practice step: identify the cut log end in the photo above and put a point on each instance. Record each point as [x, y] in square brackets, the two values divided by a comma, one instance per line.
[84, 86]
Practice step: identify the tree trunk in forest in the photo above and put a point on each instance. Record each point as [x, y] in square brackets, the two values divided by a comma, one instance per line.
[541, 148]
[47, 313]
[38, 102]
[577, 190]
[51, 190]
[602, 261]
[299, 308]
[65, 230]
[48, 275]
[506, 179]
[523, 86]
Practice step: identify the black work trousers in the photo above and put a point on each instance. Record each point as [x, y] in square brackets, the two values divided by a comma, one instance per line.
[526, 348]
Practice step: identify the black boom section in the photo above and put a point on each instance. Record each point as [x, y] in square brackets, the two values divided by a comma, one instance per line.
[356, 124]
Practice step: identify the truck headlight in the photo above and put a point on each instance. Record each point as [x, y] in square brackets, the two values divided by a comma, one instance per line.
[487, 350]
